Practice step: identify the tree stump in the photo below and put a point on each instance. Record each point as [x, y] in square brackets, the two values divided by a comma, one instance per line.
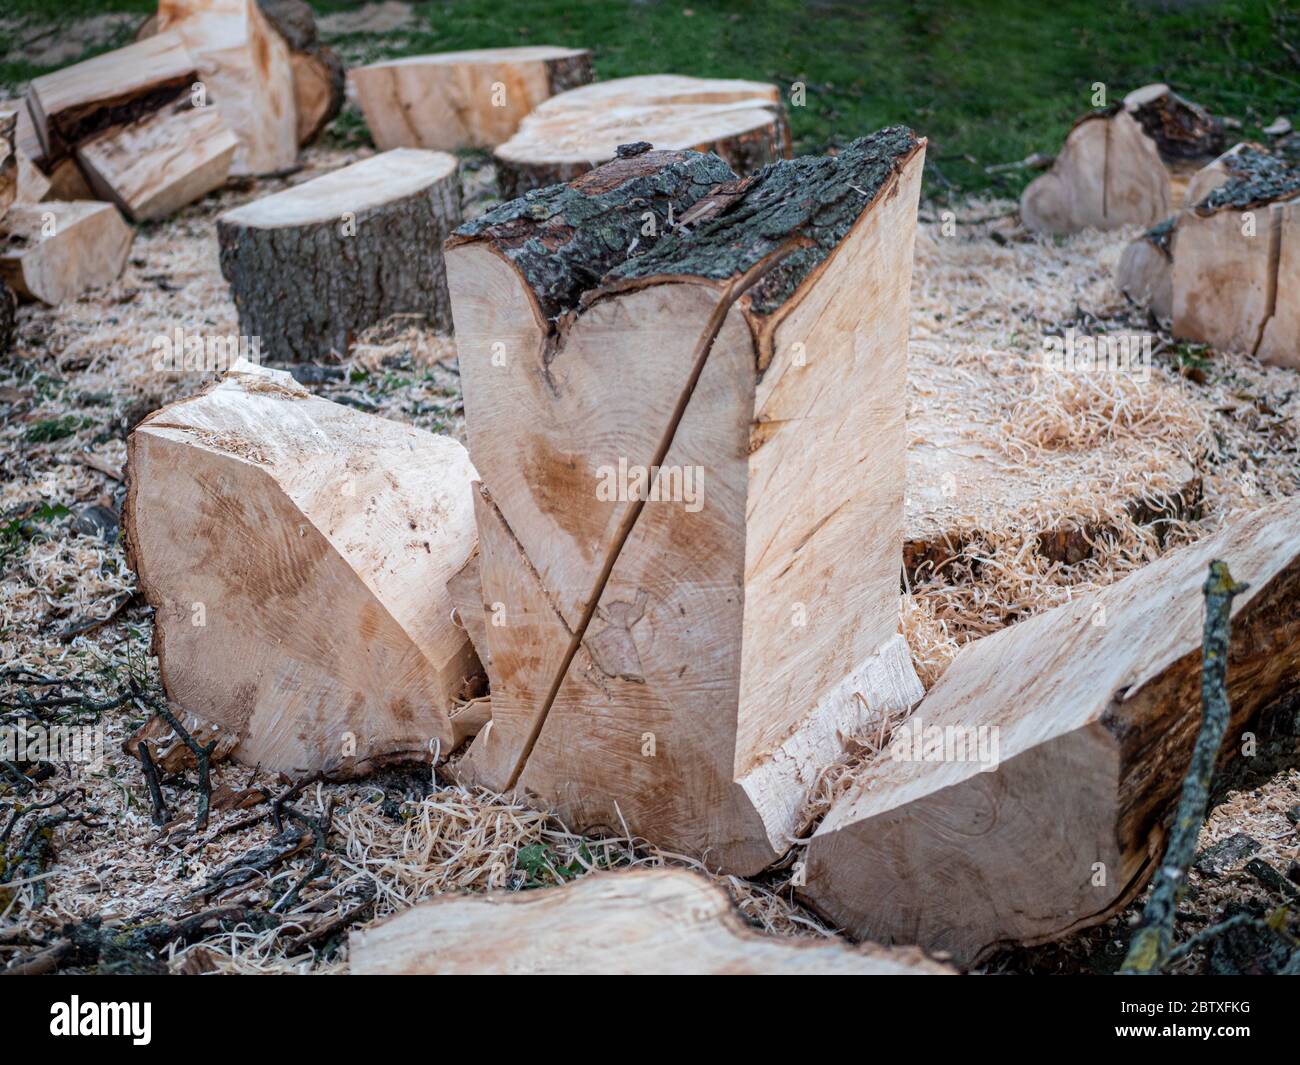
[691, 446]
[312, 266]
[661, 921]
[55, 251]
[1146, 271]
[296, 553]
[741, 121]
[453, 100]
[1027, 796]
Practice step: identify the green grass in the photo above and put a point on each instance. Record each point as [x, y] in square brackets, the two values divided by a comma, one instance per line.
[987, 82]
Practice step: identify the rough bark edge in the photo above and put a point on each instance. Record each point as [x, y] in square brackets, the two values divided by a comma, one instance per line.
[1180, 128]
[1257, 178]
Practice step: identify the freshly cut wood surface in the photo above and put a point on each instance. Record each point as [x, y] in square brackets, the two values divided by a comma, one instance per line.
[452, 100]
[160, 163]
[742, 121]
[1094, 709]
[296, 553]
[686, 664]
[55, 251]
[1279, 343]
[312, 266]
[8, 159]
[660, 921]
[117, 87]
[318, 75]
[962, 488]
[246, 68]
[1108, 174]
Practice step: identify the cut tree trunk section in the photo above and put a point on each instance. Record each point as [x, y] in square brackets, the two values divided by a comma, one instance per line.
[454, 100]
[296, 553]
[1146, 271]
[671, 650]
[247, 73]
[1028, 795]
[1109, 174]
[1234, 259]
[116, 88]
[312, 266]
[741, 121]
[158, 164]
[55, 251]
[644, 921]
[318, 75]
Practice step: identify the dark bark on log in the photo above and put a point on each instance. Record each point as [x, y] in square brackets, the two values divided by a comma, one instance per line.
[1257, 178]
[8, 318]
[1180, 128]
[307, 290]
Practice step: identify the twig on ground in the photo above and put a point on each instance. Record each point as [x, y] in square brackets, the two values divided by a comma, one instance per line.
[160, 815]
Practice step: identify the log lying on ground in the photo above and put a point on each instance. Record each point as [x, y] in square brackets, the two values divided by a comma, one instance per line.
[643, 921]
[742, 121]
[113, 89]
[1027, 796]
[453, 100]
[962, 490]
[158, 164]
[692, 559]
[312, 266]
[55, 251]
[296, 553]
[1234, 260]
[248, 75]
[1146, 271]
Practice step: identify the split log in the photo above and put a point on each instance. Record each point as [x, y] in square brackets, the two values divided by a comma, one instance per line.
[1146, 271]
[1027, 797]
[1109, 174]
[671, 649]
[160, 163]
[643, 921]
[961, 489]
[113, 89]
[318, 75]
[296, 553]
[453, 100]
[248, 75]
[565, 136]
[55, 251]
[313, 265]
[1228, 252]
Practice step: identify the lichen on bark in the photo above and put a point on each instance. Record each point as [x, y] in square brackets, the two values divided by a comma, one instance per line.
[1257, 178]
[811, 202]
[564, 238]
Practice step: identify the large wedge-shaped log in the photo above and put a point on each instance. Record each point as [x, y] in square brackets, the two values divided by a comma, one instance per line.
[1108, 174]
[692, 461]
[639, 922]
[248, 74]
[1234, 259]
[452, 100]
[1028, 796]
[742, 121]
[55, 251]
[296, 554]
[312, 266]
[113, 89]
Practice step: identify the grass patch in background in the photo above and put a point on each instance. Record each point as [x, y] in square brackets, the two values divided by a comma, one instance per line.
[988, 81]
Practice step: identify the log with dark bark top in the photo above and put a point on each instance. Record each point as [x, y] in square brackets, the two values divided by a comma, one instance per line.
[743, 122]
[1145, 273]
[690, 561]
[296, 554]
[453, 100]
[1029, 794]
[1236, 258]
[312, 266]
